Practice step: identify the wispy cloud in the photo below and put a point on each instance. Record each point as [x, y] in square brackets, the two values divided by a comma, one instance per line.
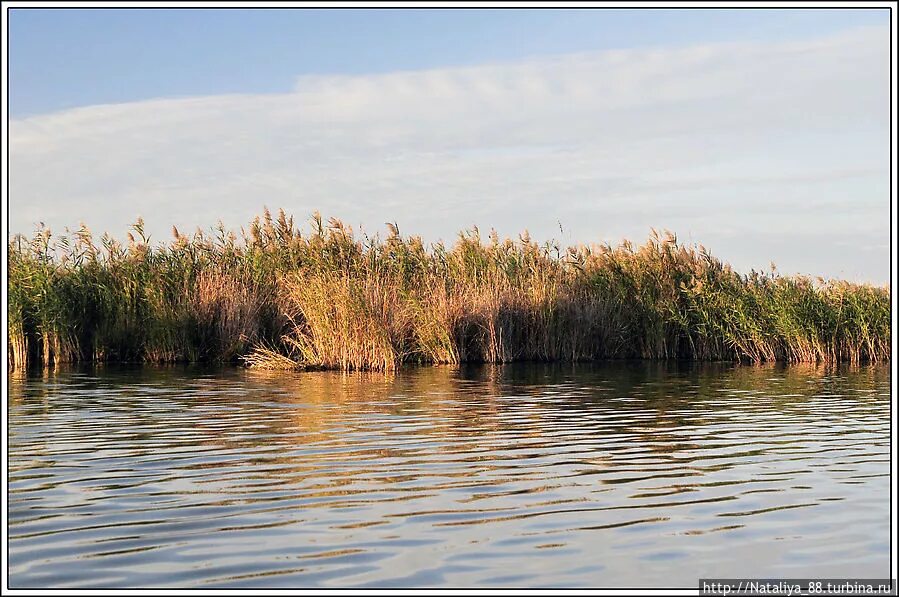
[726, 144]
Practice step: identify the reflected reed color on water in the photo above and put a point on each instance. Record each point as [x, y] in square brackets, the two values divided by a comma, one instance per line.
[591, 475]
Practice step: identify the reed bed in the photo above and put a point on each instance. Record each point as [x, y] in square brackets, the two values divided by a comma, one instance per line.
[280, 297]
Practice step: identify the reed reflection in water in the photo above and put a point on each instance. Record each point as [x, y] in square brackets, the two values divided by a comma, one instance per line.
[589, 475]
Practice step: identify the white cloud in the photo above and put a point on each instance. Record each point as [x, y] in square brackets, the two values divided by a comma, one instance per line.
[732, 145]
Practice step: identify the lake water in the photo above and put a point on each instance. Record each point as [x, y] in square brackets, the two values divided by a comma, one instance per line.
[589, 475]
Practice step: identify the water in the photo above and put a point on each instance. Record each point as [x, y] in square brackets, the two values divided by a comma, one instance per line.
[604, 475]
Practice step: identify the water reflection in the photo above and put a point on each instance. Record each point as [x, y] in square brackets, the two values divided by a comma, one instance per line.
[621, 474]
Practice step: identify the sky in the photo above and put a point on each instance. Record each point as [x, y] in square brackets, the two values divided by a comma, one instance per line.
[762, 134]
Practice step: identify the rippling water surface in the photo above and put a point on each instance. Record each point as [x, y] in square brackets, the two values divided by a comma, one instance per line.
[626, 474]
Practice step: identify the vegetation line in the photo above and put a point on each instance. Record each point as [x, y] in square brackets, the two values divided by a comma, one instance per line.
[283, 298]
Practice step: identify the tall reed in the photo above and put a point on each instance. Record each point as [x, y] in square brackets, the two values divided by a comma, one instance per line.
[279, 297]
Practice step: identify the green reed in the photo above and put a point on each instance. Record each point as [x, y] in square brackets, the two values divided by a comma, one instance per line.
[280, 297]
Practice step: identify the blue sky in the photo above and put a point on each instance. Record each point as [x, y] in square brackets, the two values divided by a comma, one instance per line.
[761, 133]
[68, 58]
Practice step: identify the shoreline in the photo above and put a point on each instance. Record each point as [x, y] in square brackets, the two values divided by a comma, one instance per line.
[284, 298]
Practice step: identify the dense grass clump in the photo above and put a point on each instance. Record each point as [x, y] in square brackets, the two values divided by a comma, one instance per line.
[282, 298]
